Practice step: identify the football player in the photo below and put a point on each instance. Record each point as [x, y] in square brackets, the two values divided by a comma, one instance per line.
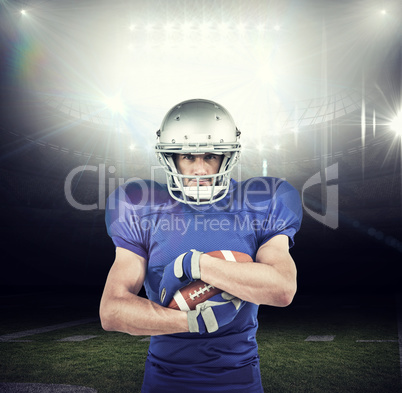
[162, 233]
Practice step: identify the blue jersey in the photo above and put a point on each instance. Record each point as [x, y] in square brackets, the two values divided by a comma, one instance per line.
[142, 217]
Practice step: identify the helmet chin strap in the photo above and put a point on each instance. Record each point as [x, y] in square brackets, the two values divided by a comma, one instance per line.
[203, 192]
[199, 192]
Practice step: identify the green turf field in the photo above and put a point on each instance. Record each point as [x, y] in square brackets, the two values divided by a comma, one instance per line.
[113, 362]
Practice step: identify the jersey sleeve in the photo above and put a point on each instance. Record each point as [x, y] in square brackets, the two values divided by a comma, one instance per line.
[122, 220]
[284, 215]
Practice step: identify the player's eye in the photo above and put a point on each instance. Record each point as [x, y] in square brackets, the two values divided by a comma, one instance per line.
[211, 157]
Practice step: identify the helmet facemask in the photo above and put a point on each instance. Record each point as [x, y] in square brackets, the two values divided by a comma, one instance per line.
[198, 127]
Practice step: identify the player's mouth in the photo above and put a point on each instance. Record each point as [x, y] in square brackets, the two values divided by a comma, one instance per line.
[202, 182]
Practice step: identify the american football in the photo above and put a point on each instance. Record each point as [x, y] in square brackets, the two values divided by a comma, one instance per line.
[186, 298]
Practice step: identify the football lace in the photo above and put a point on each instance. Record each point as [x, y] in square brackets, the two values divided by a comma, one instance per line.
[201, 291]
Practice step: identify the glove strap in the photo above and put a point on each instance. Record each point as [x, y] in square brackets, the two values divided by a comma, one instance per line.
[178, 265]
[210, 320]
[195, 264]
[192, 321]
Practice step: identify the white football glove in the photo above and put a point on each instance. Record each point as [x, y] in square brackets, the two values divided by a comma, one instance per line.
[214, 313]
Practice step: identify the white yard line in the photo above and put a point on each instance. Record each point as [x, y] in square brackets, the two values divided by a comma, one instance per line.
[376, 341]
[76, 338]
[320, 338]
[43, 388]
[45, 329]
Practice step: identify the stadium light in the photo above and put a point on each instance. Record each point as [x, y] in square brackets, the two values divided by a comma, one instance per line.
[241, 28]
[224, 28]
[264, 167]
[115, 104]
[396, 124]
[23, 12]
[205, 28]
[169, 27]
[186, 27]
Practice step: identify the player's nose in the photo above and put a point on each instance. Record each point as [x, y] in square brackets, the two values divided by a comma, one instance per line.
[199, 167]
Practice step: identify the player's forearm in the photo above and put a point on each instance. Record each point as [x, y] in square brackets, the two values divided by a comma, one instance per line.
[255, 282]
[138, 316]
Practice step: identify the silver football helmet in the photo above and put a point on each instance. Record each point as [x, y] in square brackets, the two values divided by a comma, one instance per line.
[197, 127]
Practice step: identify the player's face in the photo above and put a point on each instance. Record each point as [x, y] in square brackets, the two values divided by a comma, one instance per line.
[198, 165]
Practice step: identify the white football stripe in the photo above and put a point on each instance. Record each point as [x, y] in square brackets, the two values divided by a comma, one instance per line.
[228, 255]
[178, 297]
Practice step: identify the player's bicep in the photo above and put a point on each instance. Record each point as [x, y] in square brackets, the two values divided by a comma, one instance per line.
[275, 252]
[127, 274]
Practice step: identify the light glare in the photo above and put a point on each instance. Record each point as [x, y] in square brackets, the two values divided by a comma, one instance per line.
[186, 28]
[224, 27]
[241, 27]
[396, 124]
[205, 27]
[115, 104]
[169, 27]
